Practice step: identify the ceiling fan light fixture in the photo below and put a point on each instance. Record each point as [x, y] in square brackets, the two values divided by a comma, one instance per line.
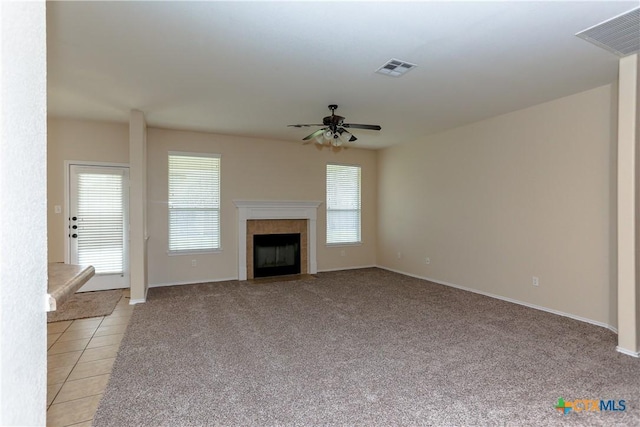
[346, 136]
[334, 133]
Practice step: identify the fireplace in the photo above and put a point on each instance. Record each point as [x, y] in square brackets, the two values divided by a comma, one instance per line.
[276, 254]
[275, 229]
[276, 217]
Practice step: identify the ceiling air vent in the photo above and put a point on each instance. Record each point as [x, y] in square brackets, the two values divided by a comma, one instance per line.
[619, 35]
[395, 68]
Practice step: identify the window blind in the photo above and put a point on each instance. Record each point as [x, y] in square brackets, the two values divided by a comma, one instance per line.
[343, 204]
[194, 202]
[101, 222]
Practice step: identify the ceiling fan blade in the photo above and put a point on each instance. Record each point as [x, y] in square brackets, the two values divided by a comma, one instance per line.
[357, 126]
[302, 126]
[314, 134]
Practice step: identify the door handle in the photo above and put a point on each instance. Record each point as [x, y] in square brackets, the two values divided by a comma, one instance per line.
[74, 235]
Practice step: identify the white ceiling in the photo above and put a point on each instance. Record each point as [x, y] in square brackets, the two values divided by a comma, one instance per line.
[251, 68]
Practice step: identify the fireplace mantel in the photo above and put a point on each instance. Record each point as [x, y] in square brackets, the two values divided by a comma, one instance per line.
[276, 209]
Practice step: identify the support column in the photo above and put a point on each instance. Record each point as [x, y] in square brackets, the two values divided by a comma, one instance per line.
[628, 241]
[138, 206]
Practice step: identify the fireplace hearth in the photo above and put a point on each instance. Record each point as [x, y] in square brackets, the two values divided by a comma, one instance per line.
[276, 254]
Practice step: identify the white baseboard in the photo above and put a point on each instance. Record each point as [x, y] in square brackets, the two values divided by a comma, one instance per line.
[160, 285]
[191, 282]
[347, 268]
[627, 352]
[137, 301]
[140, 300]
[514, 301]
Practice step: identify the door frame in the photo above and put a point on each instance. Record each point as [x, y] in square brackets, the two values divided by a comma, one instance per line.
[67, 182]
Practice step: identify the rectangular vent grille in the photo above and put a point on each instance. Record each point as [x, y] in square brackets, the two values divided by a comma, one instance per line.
[395, 68]
[619, 35]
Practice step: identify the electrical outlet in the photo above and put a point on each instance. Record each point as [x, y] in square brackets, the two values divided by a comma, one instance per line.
[427, 260]
[57, 209]
[535, 281]
[194, 263]
[343, 253]
[399, 254]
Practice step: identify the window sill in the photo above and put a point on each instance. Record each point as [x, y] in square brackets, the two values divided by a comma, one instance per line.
[208, 251]
[335, 245]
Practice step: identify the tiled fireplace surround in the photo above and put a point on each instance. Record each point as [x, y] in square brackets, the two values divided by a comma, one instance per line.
[277, 226]
[275, 217]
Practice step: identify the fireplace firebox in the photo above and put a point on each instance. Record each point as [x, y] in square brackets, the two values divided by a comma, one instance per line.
[276, 254]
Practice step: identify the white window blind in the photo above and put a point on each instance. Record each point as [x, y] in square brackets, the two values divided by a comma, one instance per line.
[194, 202]
[101, 221]
[343, 204]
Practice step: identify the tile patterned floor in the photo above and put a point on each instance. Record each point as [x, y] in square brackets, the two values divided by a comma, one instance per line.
[79, 360]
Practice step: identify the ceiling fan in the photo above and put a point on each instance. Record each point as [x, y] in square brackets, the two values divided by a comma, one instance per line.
[334, 131]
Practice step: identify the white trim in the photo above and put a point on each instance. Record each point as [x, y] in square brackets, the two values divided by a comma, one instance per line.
[137, 301]
[327, 210]
[277, 209]
[257, 205]
[168, 209]
[358, 267]
[140, 300]
[199, 282]
[188, 252]
[50, 303]
[67, 170]
[337, 245]
[97, 283]
[627, 352]
[514, 301]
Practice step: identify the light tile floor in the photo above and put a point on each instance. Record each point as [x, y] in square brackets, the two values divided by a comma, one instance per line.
[79, 360]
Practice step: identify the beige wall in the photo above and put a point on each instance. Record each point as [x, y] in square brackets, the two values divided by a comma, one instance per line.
[76, 140]
[529, 193]
[252, 169]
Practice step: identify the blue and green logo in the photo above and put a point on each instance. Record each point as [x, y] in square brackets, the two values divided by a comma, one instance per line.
[590, 405]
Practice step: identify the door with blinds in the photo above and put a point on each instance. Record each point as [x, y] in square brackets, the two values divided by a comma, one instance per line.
[99, 224]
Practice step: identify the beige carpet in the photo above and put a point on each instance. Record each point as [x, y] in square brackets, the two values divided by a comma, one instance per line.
[86, 304]
[359, 348]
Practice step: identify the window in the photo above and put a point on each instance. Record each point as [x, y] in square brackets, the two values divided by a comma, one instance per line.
[99, 216]
[343, 204]
[194, 202]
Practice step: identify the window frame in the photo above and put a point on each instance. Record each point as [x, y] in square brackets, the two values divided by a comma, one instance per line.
[359, 210]
[219, 208]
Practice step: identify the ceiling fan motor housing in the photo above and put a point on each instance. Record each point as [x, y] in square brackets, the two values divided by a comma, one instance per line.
[333, 120]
